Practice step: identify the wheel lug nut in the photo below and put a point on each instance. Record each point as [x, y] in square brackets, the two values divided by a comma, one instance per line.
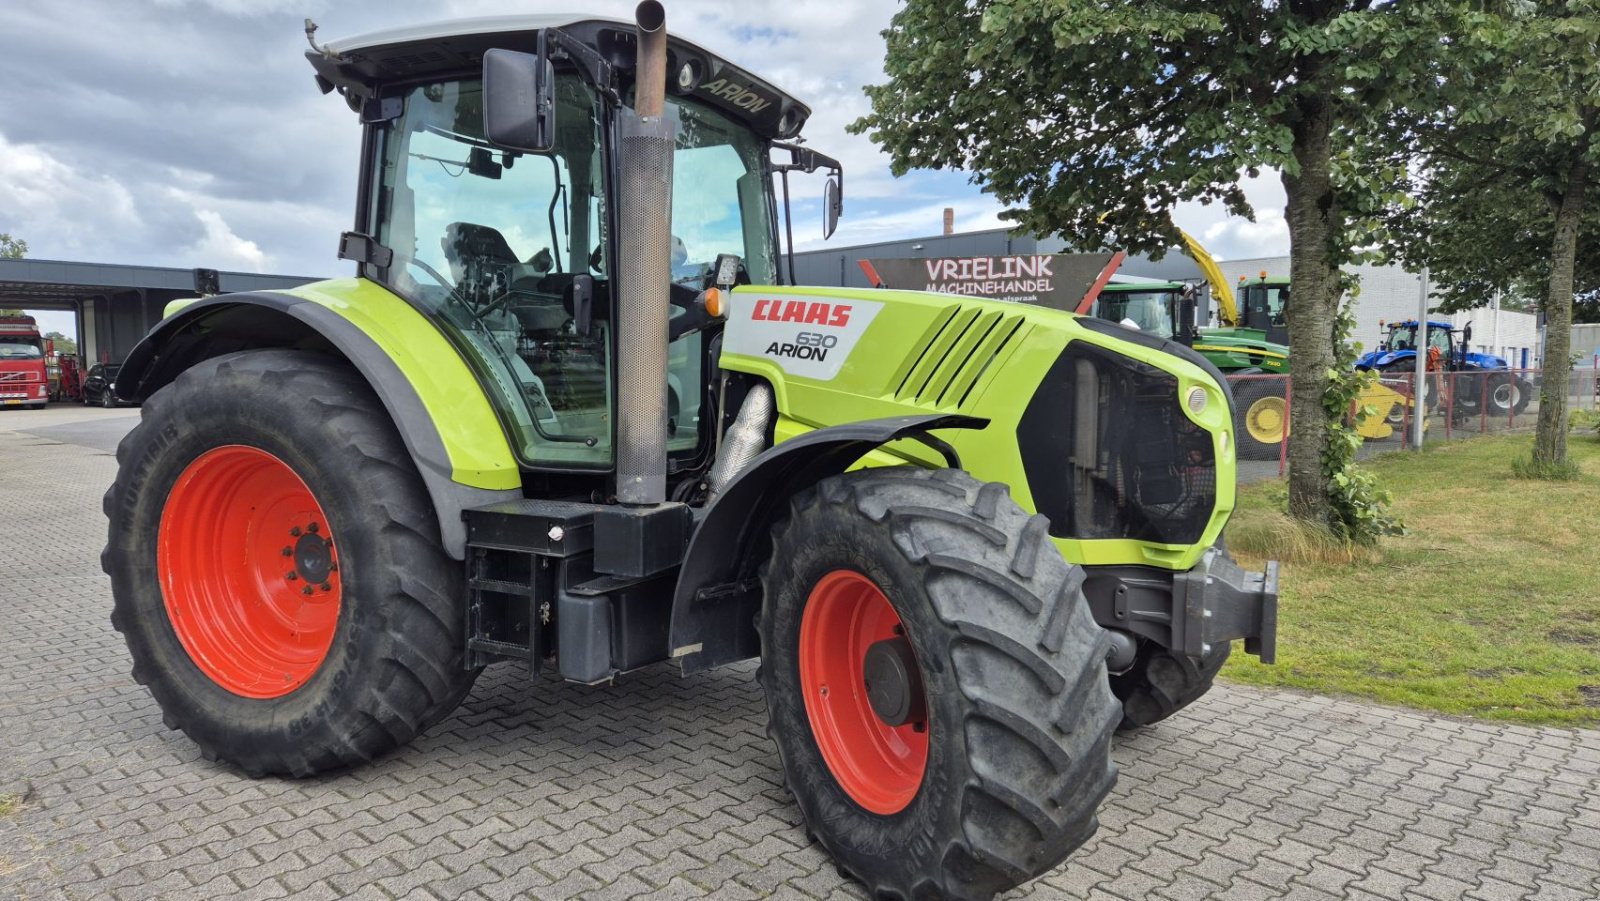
[312, 528]
[333, 567]
[288, 552]
[327, 586]
[294, 531]
[306, 590]
[291, 575]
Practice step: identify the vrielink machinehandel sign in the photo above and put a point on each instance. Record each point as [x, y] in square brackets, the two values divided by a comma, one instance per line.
[1057, 280]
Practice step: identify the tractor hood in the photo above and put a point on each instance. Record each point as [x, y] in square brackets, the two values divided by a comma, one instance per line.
[1486, 361]
[359, 67]
[1381, 359]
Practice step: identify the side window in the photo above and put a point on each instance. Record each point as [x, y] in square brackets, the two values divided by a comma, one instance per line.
[491, 241]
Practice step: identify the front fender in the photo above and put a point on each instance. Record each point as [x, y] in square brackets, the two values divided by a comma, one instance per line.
[718, 592]
[437, 405]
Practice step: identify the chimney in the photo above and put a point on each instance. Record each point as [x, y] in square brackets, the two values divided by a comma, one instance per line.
[949, 220]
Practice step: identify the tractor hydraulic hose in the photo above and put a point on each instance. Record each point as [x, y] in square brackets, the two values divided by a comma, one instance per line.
[745, 439]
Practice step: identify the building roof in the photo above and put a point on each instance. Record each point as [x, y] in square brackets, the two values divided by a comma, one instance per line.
[26, 283]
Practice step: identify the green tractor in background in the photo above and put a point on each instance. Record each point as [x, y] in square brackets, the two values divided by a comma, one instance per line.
[567, 416]
[1167, 310]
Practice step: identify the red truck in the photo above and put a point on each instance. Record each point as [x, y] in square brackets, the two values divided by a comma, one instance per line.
[23, 381]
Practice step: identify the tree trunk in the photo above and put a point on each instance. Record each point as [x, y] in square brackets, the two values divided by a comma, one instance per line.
[1312, 215]
[1550, 443]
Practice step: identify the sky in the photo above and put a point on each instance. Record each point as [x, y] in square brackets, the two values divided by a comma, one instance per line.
[189, 132]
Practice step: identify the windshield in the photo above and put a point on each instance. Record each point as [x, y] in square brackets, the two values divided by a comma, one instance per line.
[1151, 311]
[14, 348]
[719, 195]
[1404, 337]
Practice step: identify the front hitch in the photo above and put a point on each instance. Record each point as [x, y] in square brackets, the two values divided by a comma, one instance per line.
[1190, 612]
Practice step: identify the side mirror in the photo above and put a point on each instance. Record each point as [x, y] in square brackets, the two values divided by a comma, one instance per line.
[519, 99]
[832, 206]
[1466, 334]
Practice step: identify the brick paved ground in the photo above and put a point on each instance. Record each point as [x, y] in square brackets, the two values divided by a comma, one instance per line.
[661, 787]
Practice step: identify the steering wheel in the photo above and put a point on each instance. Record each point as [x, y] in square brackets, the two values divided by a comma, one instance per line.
[454, 290]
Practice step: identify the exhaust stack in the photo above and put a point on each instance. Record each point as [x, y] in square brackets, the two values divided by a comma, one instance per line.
[644, 270]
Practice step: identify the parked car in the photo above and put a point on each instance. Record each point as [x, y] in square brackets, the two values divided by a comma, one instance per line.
[97, 385]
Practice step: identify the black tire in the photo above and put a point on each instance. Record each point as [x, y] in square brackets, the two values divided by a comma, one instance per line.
[1525, 391]
[1247, 393]
[108, 400]
[395, 665]
[1162, 682]
[1009, 654]
[1504, 394]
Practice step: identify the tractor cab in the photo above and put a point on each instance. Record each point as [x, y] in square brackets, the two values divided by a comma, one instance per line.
[1264, 305]
[1153, 308]
[513, 250]
[1439, 339]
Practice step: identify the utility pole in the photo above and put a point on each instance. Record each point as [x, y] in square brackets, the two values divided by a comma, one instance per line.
[1419, 397]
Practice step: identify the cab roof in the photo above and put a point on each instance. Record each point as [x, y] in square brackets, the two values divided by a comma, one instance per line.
[362, 65]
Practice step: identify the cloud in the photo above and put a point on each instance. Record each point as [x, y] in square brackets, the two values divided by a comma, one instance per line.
[189, 132]
[1232, 238]
[227, 249]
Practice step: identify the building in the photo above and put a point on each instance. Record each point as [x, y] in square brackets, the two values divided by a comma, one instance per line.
[114, 306]
[1387, 292]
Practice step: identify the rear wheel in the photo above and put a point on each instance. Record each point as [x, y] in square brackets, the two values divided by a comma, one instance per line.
[1162, 682]
[1505, 395]
[276, 567]
[935, 682]
[1262, 417]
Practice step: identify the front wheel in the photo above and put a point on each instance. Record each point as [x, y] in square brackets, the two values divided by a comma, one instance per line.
[108, 400]
[1162, 682]
[935, 683]
[1262, 417]
[276, 567]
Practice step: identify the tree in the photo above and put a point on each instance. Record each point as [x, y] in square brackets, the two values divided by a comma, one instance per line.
[63, 344]
[1100, 117]
[12, 248]
[1503, 149]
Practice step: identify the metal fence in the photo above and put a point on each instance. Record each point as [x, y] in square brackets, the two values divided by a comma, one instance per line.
[1454, 405]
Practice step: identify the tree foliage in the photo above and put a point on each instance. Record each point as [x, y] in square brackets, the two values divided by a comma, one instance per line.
[1502, 150]
[12, 249]
[1098, 118]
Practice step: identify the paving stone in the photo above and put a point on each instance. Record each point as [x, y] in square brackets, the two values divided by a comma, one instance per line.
[663, 787]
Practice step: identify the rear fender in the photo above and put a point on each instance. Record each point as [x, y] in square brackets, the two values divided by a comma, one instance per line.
[719, 591]
[464, 462]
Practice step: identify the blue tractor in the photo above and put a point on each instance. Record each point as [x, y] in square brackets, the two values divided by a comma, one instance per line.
[1504, 391]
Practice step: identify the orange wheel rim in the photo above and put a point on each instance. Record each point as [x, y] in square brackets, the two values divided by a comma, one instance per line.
[880, 766]
[248, 570]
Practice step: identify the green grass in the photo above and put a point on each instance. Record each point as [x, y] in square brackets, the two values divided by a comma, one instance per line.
[9, 804]
[1486, 608]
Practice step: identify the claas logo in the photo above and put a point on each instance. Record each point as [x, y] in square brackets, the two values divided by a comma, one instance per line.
[836, 315]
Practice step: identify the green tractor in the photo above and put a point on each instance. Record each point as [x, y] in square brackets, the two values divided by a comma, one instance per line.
[569, 417]
[1167, 310]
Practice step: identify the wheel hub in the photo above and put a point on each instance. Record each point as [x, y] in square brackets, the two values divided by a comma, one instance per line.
[893, 683]
[313, 557]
